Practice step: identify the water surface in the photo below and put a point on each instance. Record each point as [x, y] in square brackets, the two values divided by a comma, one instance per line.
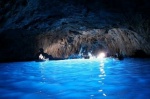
[76, 79]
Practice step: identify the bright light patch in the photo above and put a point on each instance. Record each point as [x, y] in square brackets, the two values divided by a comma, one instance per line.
[90, 55]
[104, 94]
[101, 55]
[41, 56]
[100, 90]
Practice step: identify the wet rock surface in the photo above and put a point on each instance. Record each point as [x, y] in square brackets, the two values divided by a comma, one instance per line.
[65, 28]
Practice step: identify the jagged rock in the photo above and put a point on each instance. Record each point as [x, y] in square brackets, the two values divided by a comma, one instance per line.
[69, 27]
[125, 42]
[24, 45]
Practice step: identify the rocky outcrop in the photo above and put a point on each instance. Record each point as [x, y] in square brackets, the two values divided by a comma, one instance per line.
[24, 45]
[67, 27]
[126, 42]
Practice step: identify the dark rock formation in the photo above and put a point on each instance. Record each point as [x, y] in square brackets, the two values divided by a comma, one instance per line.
[65, 27]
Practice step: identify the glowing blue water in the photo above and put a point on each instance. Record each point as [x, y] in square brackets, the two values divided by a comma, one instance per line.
[76, 79]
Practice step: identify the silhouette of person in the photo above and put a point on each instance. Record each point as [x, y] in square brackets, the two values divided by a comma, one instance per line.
[119, 56]
[40, 54]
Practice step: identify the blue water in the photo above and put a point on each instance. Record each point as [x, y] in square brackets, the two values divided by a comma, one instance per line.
[76, 79]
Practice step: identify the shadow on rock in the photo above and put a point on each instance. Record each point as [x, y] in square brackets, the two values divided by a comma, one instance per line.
[41, 56]
[140, 54]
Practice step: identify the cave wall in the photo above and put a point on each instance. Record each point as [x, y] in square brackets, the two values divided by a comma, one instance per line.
[115, 40]
[23, 45]
[65, 27]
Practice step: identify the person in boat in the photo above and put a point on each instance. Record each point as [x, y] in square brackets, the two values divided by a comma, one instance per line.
[43, 56]
[119, 56]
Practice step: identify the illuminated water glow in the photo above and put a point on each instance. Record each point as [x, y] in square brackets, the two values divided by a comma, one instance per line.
[76, 79]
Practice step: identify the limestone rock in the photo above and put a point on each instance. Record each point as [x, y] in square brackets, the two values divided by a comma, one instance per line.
[65, 28]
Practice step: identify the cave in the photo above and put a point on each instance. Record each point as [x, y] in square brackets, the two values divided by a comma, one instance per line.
[62, 30]
[108, 26]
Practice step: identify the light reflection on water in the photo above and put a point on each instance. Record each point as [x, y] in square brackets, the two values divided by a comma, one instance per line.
[76, 79]
[102, 75]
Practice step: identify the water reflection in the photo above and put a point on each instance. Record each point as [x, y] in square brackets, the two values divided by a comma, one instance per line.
[43, 71]
[102, 76]
[76, 79]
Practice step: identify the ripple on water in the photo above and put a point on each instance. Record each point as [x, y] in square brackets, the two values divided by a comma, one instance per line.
[76, 79]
